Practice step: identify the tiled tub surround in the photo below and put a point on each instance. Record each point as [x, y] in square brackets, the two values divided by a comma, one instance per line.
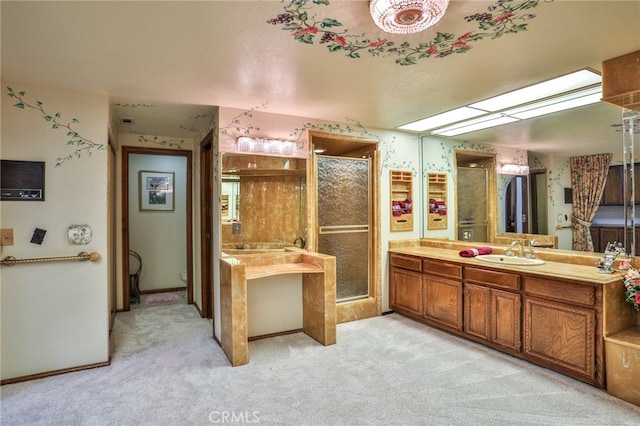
[318, 295]
[521, 307]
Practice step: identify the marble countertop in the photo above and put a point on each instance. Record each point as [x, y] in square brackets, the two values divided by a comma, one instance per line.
[548, 269]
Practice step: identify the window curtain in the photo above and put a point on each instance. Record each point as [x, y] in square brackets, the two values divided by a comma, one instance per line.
[588, 177]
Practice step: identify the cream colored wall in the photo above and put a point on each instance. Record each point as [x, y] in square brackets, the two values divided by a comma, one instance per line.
[55, 315]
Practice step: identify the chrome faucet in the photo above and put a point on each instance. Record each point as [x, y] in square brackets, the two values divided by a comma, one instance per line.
[532, 253]
[518, 243]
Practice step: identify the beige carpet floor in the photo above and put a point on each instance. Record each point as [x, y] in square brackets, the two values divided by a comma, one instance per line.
[167, 370]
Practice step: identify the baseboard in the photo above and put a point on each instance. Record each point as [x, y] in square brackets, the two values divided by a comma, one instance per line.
[54, 373]
[281, 333]
[163, 290]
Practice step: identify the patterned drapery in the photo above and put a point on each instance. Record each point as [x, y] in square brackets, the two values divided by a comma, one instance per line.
[588, 177]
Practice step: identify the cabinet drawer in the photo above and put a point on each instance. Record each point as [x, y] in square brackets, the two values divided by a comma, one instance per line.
[406, 262]
[436, 267]
[493, 278]
[558, 290]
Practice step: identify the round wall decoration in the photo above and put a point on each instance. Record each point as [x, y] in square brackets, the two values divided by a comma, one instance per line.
[79, 235]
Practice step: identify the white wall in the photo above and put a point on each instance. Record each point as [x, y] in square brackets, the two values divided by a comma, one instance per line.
[55, 315]
[160, 237]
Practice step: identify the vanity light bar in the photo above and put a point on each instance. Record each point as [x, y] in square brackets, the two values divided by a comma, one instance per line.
[513, 169]
[265, 146]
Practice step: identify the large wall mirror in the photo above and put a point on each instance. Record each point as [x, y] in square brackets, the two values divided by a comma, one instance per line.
[263, 203]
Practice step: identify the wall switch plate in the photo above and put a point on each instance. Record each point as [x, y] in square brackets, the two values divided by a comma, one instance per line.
[235, 228]
[38, 236]
[6, 237]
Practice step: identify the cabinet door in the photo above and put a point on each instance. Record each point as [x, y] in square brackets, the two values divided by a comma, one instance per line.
[505, 319]
[477, 315]
[405, 291]
[613, 193]
[609, 234]
[560, 334]
[443, 301]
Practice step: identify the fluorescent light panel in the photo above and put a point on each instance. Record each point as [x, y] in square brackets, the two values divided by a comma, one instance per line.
[543, 98]
[442, 119]
[574, 100]
[553, 87]
[464, 127]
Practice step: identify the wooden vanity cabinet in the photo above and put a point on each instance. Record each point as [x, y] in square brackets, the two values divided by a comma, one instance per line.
[562, 322]
[442, 293]
[552, 322]
[492, 307]
[427, 290]
[405, 289]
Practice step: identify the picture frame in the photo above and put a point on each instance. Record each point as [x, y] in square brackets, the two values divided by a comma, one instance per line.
[156, 190]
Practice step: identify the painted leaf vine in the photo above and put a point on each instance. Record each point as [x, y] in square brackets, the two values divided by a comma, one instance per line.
[82, 145]
[502, 18]
[171, 143]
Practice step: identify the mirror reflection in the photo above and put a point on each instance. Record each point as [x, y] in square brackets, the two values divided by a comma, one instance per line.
[263, 202]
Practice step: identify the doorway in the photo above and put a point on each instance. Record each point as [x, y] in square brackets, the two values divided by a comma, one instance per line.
[206, 223]
[162, 235]
[475, 196]
[516, 206]
[345, 216]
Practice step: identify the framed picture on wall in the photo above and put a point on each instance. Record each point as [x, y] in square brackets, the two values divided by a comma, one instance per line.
[156, 190]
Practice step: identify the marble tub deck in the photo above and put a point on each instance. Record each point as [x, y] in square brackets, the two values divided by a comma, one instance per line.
[318, 294]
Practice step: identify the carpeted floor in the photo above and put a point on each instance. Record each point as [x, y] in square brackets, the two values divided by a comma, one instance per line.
[167, 370]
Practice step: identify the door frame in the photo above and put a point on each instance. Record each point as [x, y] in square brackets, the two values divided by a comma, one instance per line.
[344, 146]
[206, 225]
[126, 150]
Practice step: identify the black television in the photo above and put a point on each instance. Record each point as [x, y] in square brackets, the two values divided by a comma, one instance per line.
[21, 180]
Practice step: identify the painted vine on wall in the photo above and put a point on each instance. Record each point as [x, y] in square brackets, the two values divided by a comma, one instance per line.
[502, 18]
[82, 144]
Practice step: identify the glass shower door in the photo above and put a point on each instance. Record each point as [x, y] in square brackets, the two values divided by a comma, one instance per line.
[344, 221]
[472, 204]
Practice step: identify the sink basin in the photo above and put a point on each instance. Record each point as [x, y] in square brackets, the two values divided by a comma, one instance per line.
[509, 260]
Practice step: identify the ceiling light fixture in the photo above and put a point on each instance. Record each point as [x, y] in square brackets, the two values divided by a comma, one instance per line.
[573, 90]
[406, 16]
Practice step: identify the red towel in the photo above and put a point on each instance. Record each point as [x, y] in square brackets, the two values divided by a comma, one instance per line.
[475, 251]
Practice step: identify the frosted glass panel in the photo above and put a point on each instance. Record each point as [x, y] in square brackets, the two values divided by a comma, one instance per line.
[472, 204]
[343, 221]
[343, 191]
[352, 262]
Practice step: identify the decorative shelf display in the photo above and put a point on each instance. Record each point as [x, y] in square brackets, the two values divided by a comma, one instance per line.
[401, 200]
[437, 196]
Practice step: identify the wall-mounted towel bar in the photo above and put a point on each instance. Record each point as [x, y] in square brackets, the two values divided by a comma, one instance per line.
[558, 227]
[82, 256]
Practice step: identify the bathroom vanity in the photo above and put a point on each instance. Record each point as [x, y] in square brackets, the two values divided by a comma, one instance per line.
[556, 314]
[318, 295]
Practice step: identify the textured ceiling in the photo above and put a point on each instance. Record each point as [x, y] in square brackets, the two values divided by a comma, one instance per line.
[165, 64]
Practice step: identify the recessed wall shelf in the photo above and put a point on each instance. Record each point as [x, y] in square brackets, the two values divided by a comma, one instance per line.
[401, 200]
[437, 196]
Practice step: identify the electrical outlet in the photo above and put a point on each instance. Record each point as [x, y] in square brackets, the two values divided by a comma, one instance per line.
[6, 236]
